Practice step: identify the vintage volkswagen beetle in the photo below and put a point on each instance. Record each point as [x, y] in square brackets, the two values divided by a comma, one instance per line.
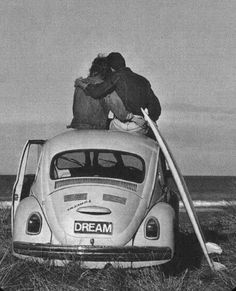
[95, 197]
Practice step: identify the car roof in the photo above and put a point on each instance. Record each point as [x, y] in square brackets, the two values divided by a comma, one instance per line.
[103, 139]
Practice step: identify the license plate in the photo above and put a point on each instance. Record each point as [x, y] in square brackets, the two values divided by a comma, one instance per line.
[100, 227]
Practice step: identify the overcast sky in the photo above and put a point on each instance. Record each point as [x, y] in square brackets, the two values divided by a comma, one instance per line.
[187, 49]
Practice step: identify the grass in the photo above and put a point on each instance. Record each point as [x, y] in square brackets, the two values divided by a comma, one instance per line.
[188, 271]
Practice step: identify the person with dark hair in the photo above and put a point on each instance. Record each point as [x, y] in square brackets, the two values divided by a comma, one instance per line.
[89, 112]
[134, 90]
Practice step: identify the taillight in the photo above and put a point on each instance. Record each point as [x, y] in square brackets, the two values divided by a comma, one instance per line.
[34, 223]
[152, 228]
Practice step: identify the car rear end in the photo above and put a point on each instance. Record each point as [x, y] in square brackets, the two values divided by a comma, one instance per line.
[98, 212]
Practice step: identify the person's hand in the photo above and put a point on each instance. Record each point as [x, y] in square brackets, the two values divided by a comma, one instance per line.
[140, 121]
[80, 82]
[129, 116]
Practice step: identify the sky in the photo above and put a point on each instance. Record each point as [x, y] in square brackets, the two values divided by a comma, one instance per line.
[186, 49]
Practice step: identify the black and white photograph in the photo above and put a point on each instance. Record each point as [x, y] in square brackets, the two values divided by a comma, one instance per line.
[117, 145]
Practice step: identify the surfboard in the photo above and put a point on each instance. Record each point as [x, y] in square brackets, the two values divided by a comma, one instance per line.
[207, 248]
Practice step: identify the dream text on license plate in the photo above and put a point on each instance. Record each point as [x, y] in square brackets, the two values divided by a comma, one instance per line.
[100, 227]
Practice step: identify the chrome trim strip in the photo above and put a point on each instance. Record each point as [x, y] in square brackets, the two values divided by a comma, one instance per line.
[104, 181]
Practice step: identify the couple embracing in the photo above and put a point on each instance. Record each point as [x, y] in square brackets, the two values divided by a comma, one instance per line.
[113, 87]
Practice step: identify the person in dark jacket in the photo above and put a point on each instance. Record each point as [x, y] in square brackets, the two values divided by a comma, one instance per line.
[134, 90]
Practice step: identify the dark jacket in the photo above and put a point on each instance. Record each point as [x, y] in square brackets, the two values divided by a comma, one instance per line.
[134, 90]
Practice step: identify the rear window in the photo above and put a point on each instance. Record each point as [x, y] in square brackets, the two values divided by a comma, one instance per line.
[98, 163]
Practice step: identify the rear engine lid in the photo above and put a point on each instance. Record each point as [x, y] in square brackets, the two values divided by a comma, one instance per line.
[109, 215]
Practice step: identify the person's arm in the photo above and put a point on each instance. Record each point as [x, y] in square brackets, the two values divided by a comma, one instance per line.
[154, 106]
[100, 90]
[115, 104]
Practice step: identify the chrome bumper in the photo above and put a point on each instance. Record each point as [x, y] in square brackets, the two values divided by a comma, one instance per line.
[92, 253]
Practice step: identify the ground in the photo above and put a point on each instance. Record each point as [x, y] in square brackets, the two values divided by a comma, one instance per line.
[188, 271]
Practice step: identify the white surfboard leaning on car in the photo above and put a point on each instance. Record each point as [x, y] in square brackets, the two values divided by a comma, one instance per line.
[208, 247]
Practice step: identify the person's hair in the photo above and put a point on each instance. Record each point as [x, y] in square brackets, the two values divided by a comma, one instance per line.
[116, 61]
[100, 67]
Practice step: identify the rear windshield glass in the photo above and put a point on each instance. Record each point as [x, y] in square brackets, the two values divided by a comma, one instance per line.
[98, 163]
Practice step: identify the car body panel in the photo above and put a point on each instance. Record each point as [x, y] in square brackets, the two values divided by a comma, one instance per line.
[28, 206]
[65, 213]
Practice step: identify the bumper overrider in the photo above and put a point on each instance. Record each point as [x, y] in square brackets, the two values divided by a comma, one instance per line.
[92, 253]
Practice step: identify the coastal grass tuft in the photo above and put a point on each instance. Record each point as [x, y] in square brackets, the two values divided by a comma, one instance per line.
[188, 271]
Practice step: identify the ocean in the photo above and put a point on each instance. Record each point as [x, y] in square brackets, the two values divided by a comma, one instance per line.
[200, 187]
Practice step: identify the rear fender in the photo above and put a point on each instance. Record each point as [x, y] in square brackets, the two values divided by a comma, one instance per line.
[165, 215]
[27, 207]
